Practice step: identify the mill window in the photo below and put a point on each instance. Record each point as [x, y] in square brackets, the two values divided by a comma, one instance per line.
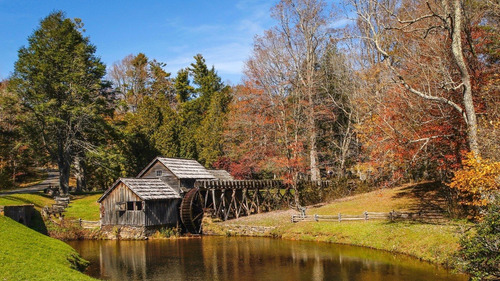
[130, 206]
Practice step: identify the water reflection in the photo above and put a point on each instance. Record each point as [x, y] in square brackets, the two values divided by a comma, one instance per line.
[220, 258]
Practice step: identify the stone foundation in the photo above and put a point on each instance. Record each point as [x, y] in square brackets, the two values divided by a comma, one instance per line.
[129, 232]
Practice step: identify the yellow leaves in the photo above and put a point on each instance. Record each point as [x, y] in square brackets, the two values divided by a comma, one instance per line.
[476, 180]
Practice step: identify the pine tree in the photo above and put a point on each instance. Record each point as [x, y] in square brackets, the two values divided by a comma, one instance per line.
[58, 79]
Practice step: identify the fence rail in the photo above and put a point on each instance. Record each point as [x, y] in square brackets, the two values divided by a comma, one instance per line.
[88, 224]
[393, 215]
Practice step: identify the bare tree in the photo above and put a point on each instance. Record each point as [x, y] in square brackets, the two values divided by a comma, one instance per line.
[421, 43]
[303, 24]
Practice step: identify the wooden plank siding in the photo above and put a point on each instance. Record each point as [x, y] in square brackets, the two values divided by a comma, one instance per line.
[162, 212]
[110, 208]
[158, 166]
[153, 213]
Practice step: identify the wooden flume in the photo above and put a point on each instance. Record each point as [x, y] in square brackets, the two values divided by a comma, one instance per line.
[232, 199]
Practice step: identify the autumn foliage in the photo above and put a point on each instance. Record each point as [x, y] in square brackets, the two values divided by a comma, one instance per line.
[477, 182]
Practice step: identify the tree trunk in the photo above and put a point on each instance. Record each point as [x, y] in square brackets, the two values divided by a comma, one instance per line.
[313, 150]
[470, 113]
[64, 165]
[80, 173]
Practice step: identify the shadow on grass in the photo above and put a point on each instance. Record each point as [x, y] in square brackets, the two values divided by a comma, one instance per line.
[429, 198]
[26, 201]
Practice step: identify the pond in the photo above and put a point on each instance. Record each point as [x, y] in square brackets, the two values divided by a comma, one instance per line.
[249, 258]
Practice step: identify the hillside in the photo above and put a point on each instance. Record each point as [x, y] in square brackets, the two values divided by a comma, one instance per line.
[430, 241]
[28, 255]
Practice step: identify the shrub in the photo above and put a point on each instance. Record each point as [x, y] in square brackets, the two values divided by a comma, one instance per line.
[476, 182]
[167, 232]
[313, 193]
[480, 252]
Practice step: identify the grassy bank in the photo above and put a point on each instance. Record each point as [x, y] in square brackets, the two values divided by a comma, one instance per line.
[434, 242]
[28, 255]
[84, 206]
[38, 199]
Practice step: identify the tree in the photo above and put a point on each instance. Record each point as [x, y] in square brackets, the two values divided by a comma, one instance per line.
[212, 127]
[136, 76]
[421, 39]
[184, 91]
[477, 183]
[303, 26]
[304, 85]
[337, 115]
[58, 80]
[15, 151]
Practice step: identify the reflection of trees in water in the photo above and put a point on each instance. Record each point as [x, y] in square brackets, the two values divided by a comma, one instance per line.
[222, 258]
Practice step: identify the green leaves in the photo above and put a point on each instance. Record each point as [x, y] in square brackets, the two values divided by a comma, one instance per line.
[481, 251]
[58, 79]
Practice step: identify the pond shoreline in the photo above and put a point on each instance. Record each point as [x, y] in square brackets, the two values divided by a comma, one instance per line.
[249, 258]
[307, 231]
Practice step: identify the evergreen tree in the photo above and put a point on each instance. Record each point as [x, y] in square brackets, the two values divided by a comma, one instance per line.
[212, 127]
[183, 90]
[207, 81]
[58, 80]
[166, 137]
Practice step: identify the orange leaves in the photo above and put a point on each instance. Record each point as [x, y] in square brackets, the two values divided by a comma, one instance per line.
[476, 181]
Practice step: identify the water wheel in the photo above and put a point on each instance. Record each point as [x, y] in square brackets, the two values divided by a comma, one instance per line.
[192, 211]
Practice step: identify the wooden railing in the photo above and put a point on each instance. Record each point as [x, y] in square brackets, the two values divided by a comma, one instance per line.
[88, 224]
[393, 215]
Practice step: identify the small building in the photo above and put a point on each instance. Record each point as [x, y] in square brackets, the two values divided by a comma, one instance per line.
[180, 174]
[152, 199]
[140, 203]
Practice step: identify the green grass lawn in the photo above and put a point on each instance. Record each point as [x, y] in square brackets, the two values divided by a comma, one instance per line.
[28, 255]
[84, 206]
[38, 199]
[428, 241]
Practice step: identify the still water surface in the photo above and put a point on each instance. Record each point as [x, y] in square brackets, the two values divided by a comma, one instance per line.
[237, 258]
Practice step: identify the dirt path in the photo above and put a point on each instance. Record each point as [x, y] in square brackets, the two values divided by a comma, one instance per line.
[51, 180]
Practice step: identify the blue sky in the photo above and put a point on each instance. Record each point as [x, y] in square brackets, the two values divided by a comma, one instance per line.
[168, 31]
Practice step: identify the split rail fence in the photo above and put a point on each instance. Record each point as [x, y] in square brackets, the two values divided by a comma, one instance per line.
[393, 215]
[88, 224]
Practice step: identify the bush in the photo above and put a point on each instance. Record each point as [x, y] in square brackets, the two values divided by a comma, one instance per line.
[476, 182]
[480, 252]
[167, 232]
[313, 193]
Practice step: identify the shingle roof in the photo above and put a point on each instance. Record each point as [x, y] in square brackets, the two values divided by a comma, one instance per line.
[222, 175]
[146, 189]
[182, 168]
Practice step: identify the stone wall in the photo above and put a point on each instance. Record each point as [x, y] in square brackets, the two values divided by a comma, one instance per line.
[21, 214]
[127, 232]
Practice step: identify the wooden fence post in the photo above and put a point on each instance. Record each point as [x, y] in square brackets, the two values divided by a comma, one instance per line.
[391, 215]
[340, 217]
[366, 215]
[315, 217]
[80, 221]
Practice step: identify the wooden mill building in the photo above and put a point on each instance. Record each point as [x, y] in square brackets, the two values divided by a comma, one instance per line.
[152, 199]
